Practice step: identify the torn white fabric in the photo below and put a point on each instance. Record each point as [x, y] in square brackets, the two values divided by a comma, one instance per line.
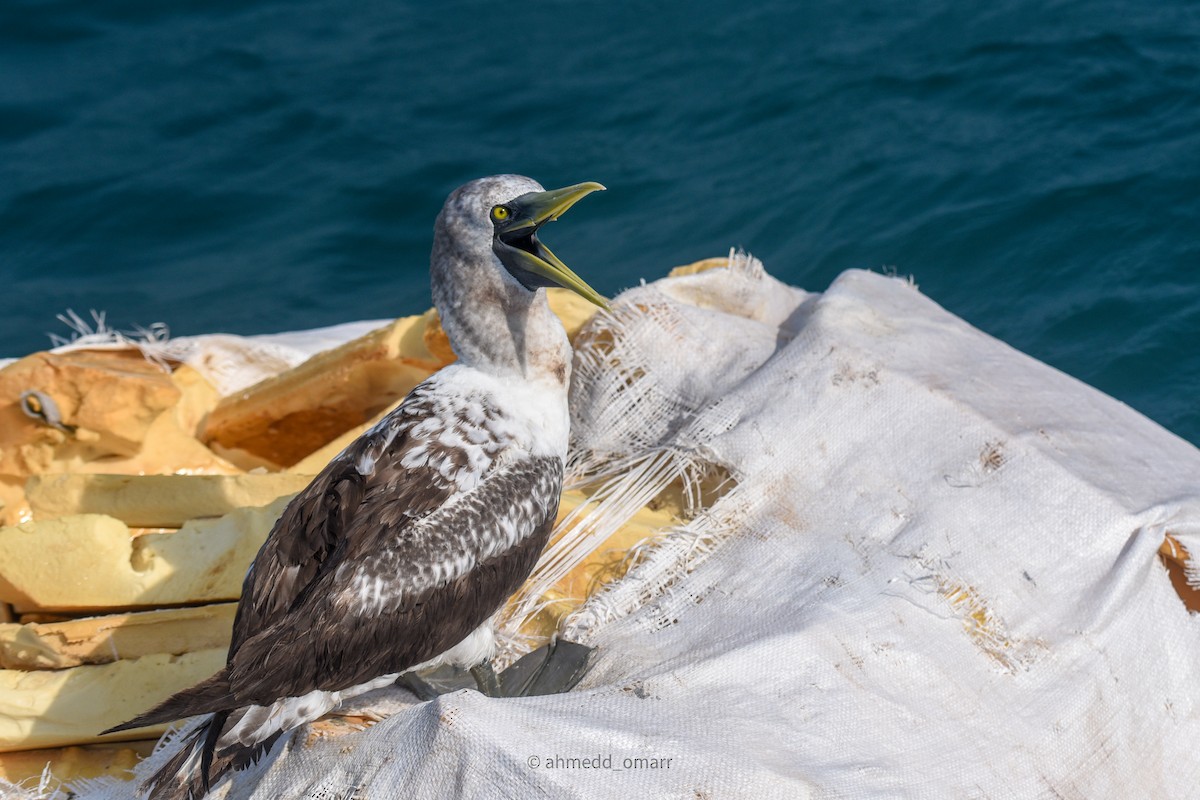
[233, 363]
[228, 361]
[935, 575]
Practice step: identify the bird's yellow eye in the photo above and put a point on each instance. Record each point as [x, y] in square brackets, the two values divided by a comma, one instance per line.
[500, 213]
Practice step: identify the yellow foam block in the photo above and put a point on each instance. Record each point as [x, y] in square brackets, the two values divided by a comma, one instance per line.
[118, 412]
[107, 401]
[317, 460]
[52, 708]
[198, 398]
[92, 561]
[101, 640]
[156, 501]
[284, 418]
[72, 763]
[606, 563]
[696, 267]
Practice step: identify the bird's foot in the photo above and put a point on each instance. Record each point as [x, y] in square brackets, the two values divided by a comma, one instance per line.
[416, 684]
[551, 669]
[486, 680]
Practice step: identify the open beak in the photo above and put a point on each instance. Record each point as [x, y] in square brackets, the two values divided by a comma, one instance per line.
[527, 259]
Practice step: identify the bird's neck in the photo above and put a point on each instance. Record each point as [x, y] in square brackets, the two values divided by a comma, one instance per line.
[505, 330]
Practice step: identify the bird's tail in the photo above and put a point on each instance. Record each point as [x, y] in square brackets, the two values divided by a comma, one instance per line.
[204, 758]
[189, 773]
[207, 697]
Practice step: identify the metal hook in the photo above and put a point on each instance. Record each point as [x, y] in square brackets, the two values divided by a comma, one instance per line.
[41, 406]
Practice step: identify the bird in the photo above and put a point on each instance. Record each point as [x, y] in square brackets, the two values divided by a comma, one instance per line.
[400, 553]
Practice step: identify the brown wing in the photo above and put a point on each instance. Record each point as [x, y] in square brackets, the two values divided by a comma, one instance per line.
[402, 593]
[322, 517]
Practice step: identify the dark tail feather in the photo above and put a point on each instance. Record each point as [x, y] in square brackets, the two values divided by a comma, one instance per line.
[190, 773]
[207, 697]
[195, 768]
[242, 757]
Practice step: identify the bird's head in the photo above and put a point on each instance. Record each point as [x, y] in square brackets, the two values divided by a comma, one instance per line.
[504, 213]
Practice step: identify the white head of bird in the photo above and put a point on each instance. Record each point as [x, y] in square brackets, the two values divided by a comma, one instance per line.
[489, 273]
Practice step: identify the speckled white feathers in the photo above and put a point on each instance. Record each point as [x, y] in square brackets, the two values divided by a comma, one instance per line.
[461, 426]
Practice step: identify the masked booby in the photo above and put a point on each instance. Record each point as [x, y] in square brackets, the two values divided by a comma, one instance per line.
[400, 553]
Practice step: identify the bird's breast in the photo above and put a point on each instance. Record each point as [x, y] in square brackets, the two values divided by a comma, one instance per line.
[455, 428]
[504, 413]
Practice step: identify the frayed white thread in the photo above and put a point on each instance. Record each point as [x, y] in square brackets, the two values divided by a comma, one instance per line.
[47, 787]
[584, 531]
[635, 432]
[153, 341]
[655, 567]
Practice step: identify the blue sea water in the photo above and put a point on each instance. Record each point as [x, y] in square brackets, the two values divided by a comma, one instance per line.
[263, 165]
